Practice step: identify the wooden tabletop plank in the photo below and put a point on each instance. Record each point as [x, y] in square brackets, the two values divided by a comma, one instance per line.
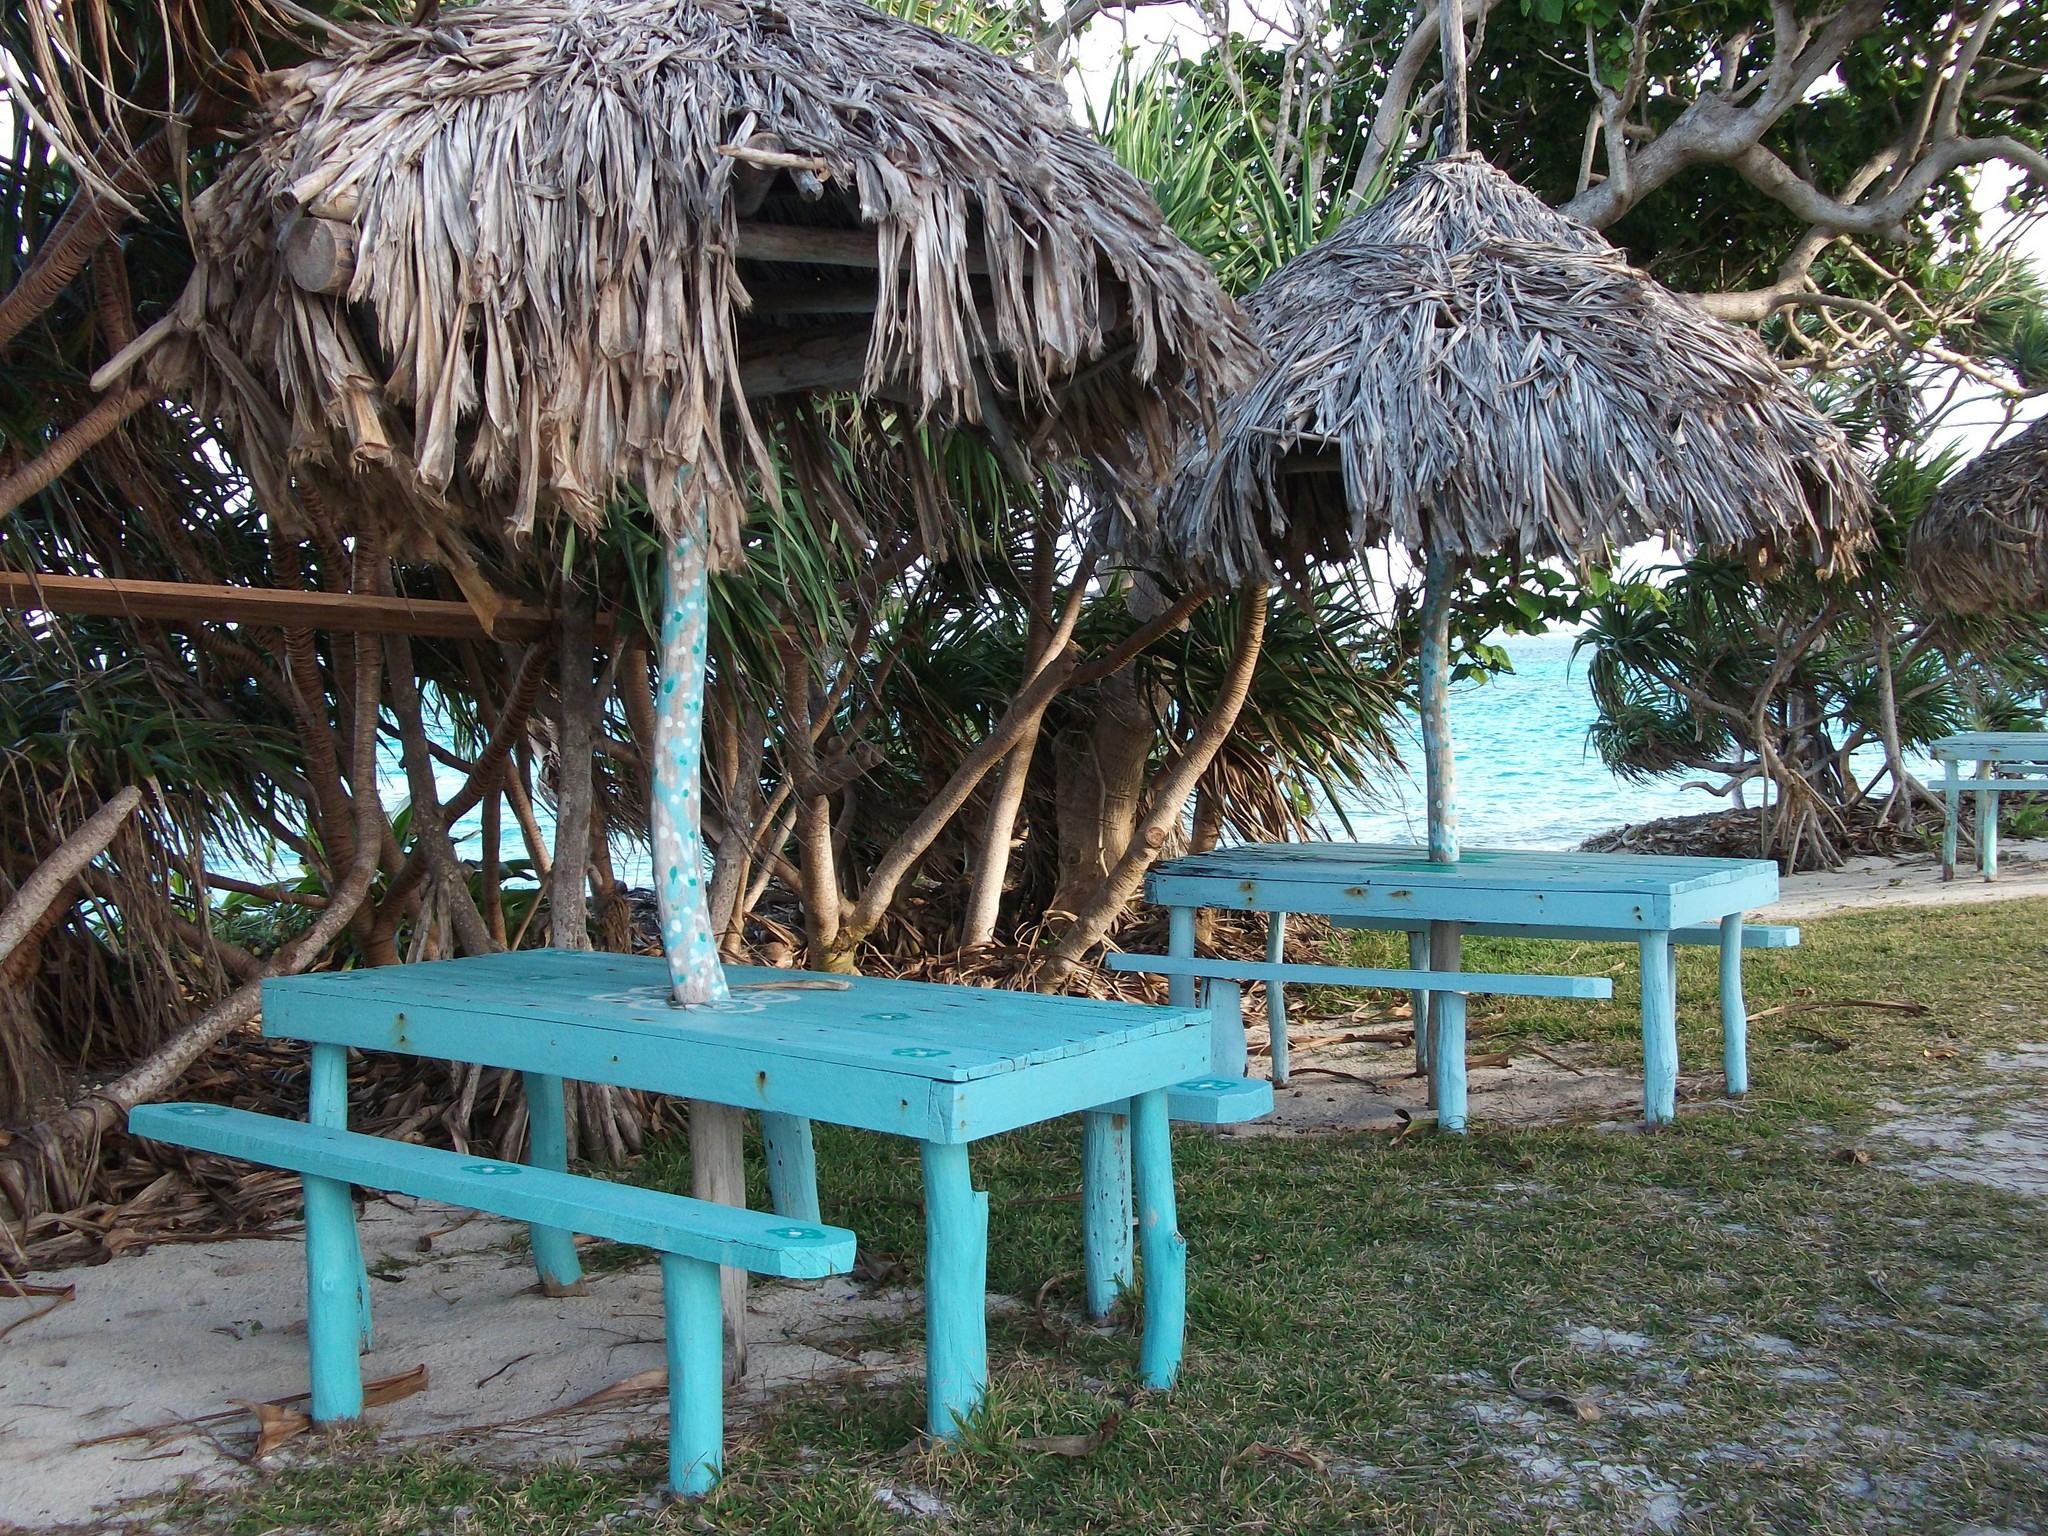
[942, 1033]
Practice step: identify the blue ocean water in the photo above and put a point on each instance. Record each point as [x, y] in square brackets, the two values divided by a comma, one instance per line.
[1526, 777]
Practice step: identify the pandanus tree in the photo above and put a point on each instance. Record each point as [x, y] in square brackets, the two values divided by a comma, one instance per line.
[1462, 371]
[490, 270]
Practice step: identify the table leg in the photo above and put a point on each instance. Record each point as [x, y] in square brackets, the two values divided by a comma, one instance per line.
[696, 1373]
[1660, 1031]
[1276, 997]
[718, 1172]
[334, 1328]
[1227, 1050]
[1952, 802]
[792, 1166]
[1734, 1009]
[1105, 1205]
[955, 1289]
[1164, 1250]
[1418, 1002]
[1447, 1077]
[1180, 945]
[547, 1146]
[1987, 829]
[327, 1104]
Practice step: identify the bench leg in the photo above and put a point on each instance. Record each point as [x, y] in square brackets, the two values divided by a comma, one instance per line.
[955, 1289]
[334, 1329]
[547, 1146]
[1105, 1207]
[1660, 1031]
[1987, 831]
[1164, 1250]
[1447, 1080]
[1734, 1009]
[1418, 960]
[327, 1104]
[1180, 945]
[1225, 1002]
[696, 1373]
[1952, 804]
[792, 1166]
[1276, 997]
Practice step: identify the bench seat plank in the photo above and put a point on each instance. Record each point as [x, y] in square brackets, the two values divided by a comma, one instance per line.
[1219, 1100]
[1754, 935]
[698, 1229]
[1486, 982]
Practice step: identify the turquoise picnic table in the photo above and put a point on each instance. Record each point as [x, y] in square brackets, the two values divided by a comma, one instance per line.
[942, 1065]
[2005, 760]
[1654, 900]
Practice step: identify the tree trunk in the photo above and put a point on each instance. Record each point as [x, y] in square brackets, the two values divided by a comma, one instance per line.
[568, 920]
[1098, 786]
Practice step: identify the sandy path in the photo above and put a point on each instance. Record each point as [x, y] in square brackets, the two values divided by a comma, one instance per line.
[182, 1331]
[1910, 882]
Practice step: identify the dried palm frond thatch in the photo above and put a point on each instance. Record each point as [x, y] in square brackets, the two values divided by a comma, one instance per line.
[1981, 545]
[503, 263]
[1462, 369]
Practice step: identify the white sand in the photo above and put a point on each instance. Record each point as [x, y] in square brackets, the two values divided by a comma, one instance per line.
[1909, 882]
[182, 1331]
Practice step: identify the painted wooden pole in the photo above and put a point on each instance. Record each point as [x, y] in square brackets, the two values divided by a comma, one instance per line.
[1418, 1002]
[1987, 824]
[696, 1389]
[327, 1104]
[1952, 801]
[1446, 948]
[547, 1146]
[955, 1289]
[792, 1165]
[1228, 1053]
[1105, 1206]
[718, 1173]
[1660, 1031]
[334, 1328]
[1160, 1245]
[693, 968]
[1180, 945]
[1734, 1009]
[1276, 997]
[1447, 1037]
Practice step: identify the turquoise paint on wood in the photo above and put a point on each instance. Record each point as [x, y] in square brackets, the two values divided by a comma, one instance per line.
[955, 1290]
[645, 1218]
[696, 1373]
[1447, 1060]
[679, 883]
[1219, 1100]
[1180, 944]
[1754, 935]
[1276, 996]
[792, 1166]
[1161, 1247]
[1105, 1207]
[1734, 1009]
[1487, 983]
[547, 1146]
[1418, 999]
[334, 1327]
[327, 1104]
[1660, 1031]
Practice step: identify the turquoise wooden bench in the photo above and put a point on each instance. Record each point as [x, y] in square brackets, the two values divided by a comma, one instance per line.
[2006, 760]
[1642, 897]
[693, 1238]
[944, 1066]
[1225, 1001]
[1731, 936]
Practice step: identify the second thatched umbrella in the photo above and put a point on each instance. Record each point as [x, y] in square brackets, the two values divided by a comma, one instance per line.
[1462, 371]
[1981, 544]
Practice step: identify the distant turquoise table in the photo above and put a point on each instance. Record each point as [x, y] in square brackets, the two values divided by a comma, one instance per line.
[2006, 760]
[942, 1065]
[1558, 895]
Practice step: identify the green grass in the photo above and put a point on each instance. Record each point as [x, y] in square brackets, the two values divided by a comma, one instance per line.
[1361, 1300]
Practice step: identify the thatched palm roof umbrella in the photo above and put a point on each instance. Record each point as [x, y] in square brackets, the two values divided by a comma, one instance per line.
[496, 268]
[1981, 544]
[1461, 370]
